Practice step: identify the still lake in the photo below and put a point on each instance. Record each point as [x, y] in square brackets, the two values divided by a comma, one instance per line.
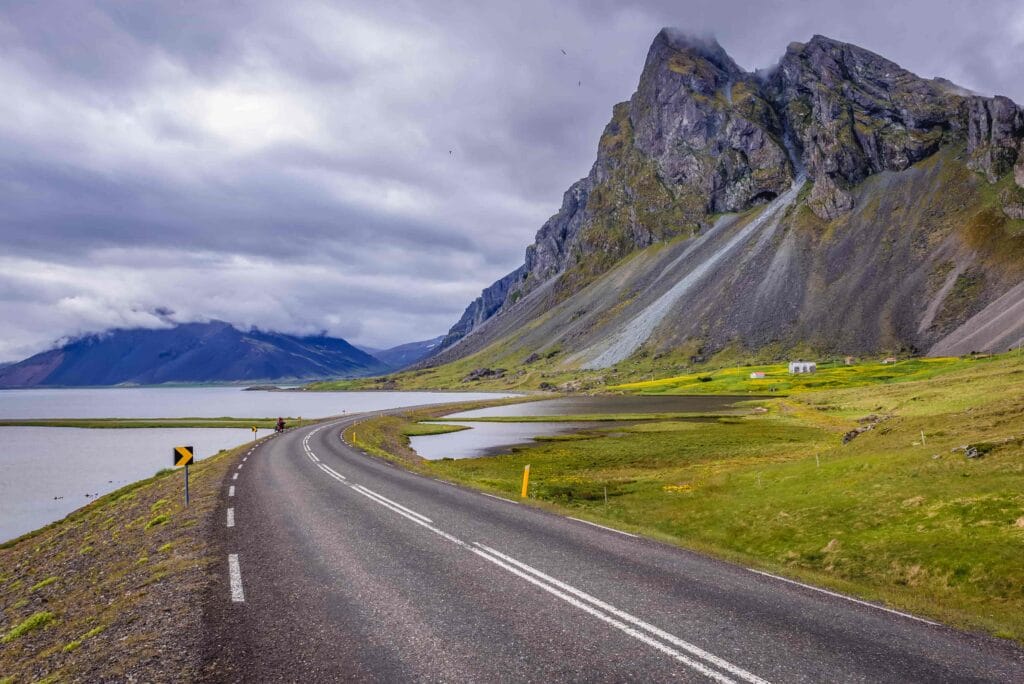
[45, 473]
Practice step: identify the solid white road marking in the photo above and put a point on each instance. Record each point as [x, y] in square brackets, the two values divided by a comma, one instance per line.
[332, 472]
[231, 490]
[235, 573]
[636, 634]
[661, 634]
[235, 476]
[610, 529]
[846, 598]
[564, 591]
[231, 517]
[369, 492]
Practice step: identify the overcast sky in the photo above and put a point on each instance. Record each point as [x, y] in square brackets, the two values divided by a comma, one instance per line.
[363, 168]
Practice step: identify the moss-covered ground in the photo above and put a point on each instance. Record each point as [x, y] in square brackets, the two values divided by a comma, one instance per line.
[898, 514]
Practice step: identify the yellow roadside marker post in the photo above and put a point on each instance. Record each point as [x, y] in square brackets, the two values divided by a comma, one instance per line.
[254, 431]
[526, 480]
[183, 457]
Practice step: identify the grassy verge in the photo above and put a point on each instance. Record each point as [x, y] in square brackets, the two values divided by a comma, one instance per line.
[110, 593]
[898, 514]
[112, 423]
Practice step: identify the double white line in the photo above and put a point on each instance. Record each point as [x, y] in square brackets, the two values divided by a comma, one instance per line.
[694, 657]
[669, 644]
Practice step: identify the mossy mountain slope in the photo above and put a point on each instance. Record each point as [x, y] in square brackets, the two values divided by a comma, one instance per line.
[836, 203]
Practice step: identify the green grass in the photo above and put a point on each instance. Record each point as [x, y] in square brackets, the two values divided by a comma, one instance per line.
[29, 624]
[157, 520]
[44, 583]
[889, 516]
[830, 375]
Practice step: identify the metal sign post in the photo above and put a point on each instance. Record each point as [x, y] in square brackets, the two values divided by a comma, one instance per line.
[183, 456]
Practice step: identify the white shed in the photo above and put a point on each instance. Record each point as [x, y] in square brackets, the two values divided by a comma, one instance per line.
[797, 367]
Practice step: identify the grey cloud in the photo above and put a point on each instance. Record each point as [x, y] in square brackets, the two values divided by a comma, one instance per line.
[290, 161]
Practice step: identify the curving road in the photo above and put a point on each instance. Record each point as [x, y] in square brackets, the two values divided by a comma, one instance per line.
[337, 566]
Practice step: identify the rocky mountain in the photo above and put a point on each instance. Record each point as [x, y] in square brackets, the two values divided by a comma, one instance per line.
[835, 202]
[190, 352]
[405, 355]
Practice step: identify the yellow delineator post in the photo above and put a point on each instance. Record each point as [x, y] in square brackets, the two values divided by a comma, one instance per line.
[526, 480]
[183, 456]
[254, 431]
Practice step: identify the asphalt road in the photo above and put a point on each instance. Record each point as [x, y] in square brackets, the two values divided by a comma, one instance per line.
[337, 566]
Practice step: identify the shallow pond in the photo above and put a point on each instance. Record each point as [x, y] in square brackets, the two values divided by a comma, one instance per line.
[496, 438]
[490, 439]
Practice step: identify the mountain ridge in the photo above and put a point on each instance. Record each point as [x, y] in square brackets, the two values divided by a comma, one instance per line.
[701, 139]
[189, 352]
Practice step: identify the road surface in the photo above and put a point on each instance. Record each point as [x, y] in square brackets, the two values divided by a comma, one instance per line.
[338, 566]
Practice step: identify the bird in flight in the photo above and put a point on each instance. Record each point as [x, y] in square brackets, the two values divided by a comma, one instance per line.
[563, 52]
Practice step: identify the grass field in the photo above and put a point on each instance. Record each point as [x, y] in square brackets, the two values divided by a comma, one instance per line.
[897, 515]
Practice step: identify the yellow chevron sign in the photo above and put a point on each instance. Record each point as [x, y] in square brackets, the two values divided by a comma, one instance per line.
[182, 455]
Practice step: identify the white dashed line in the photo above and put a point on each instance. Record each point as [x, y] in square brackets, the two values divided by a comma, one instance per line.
[231, 490]
[694, 657]
[235, 573]
[231, 517]
[240, 465]
[610, 529]
[846, 598]
[500, 498]
[235, 476]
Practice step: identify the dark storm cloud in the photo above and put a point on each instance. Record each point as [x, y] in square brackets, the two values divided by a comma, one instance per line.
[358, 168]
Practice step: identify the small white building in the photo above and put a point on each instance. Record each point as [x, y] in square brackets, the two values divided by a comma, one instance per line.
[757, 375]
[797, 367]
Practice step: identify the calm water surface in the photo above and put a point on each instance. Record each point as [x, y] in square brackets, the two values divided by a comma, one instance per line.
[45, 473]
[207, 402]
[494, 439]
[489, 439]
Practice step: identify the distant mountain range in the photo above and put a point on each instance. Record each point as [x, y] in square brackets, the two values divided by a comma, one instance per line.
[191, 352]
[405, 355]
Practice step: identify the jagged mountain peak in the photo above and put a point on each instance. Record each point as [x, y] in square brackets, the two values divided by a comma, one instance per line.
[702, 143]
[675, 42]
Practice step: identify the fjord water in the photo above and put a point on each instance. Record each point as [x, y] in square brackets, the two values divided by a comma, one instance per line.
[207, 402]
[45, 473]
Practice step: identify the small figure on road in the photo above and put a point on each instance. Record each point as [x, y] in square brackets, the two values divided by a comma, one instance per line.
[280, 425]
